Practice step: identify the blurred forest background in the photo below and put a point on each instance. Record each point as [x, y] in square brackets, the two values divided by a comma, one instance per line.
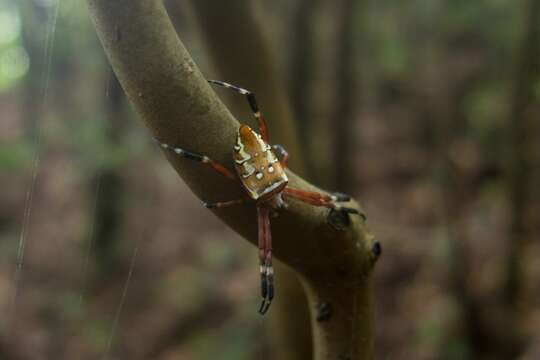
[427, 111]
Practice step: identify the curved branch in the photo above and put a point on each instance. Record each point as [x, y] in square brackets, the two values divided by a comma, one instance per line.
[333, 252]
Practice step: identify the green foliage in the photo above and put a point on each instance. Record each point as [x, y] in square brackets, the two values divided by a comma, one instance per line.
[233, 341]
[14, 60]
[15, 156]
[88, 139]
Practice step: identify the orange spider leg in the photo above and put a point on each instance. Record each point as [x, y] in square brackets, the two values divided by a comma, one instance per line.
[199, 158]
[319, 199]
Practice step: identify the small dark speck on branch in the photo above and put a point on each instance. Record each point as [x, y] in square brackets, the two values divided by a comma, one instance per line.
[324, 312]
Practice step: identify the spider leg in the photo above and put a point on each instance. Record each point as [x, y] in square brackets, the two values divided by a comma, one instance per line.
[222, 204]
[265, 305]
[261, 214]
[265, 257]
[252, 103]
[269, 268]
[283, 154]
[199, 158]
[319, 199]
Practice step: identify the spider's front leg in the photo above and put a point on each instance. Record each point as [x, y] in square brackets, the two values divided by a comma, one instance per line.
[223, 204]
[213, 164]
[186, 154]
[265, 258]
[250, 96]
[320, 199]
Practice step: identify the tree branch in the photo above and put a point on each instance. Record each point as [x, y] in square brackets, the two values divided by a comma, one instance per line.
[334, 253]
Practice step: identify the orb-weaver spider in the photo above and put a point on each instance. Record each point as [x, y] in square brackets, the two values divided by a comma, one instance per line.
[265, 181]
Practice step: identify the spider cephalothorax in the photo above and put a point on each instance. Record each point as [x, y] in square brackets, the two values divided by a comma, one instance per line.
[258, 168]
[264, 179]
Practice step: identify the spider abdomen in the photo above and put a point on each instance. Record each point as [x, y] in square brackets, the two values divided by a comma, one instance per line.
[257, 166]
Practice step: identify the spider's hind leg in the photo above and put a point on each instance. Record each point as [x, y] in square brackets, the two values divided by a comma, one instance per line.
[265, 258]
[269, 283]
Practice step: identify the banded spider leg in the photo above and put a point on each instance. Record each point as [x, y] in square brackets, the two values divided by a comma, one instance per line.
[265, 237]
[250, 96]
[320, 199]
[283, 155]
[199, 158]
[265, 258]
[216, 166]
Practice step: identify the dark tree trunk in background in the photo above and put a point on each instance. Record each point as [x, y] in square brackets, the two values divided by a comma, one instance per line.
[445, 101]
[302, 67]
[445, 112]
[346, 95]
[108, 185]
[520, 126]
[521, 129]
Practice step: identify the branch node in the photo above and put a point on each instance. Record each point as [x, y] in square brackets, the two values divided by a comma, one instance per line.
[188, 65]
[338, 219]
[324, 312]
[376, 251]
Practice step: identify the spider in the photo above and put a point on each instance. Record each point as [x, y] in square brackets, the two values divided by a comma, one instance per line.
[264, 179]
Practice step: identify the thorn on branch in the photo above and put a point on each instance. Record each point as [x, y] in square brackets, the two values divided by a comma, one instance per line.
[338, 219]
[376, 250]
